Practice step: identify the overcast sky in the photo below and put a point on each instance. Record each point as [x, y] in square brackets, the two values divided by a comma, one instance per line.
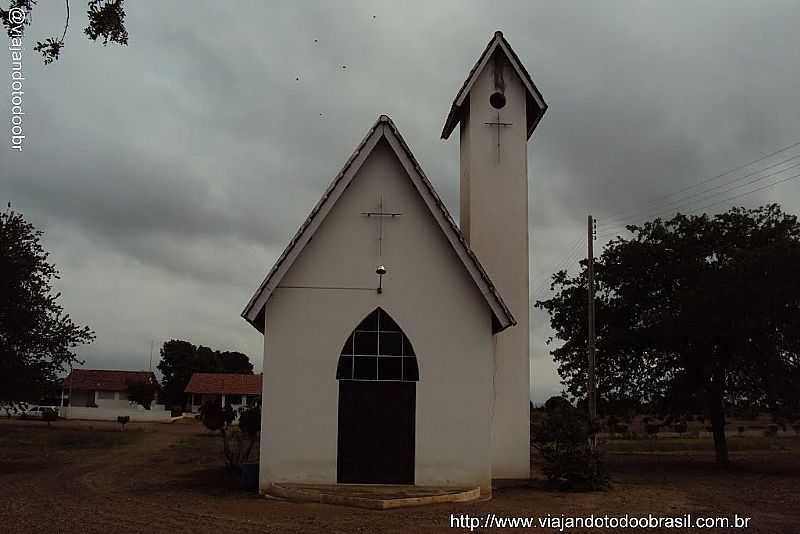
[168, 175]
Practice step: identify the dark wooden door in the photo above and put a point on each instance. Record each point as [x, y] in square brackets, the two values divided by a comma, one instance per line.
[376, 432]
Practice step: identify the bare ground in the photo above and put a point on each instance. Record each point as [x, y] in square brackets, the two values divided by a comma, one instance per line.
[168, 478]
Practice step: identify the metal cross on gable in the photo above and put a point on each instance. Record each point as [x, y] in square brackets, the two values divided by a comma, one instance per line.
[380, 215]
[499, 125]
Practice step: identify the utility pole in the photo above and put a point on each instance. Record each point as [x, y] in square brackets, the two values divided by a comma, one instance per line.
[69, 401]
[590, 309]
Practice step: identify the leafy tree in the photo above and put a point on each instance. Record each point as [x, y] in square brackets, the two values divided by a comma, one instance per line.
[106, 22]
[178, 362]
[142, 393]
[37, 339]
[179, 359]
[693, 311]
[207, 359]
[235, 362]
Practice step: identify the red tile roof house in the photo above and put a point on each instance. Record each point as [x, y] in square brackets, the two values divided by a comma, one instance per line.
[103, 395]
[235, 389]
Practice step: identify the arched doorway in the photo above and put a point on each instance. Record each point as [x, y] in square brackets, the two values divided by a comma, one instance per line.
[377, 376]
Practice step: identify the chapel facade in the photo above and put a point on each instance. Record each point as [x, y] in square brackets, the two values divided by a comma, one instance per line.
[396, 342]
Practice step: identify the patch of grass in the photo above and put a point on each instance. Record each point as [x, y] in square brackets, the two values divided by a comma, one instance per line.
[39, 444]
[95, 440]
[735, 443]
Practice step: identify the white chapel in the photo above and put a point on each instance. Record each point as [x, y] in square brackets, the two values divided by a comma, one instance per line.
[396, 342]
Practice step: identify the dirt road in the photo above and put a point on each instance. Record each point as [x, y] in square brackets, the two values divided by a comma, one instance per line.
[170, 480]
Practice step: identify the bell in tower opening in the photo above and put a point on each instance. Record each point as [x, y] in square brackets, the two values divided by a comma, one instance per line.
[498, 98]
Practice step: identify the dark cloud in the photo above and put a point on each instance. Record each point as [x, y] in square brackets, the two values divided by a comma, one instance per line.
[169, 174]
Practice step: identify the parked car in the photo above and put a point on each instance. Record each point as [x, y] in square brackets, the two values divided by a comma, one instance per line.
[37, 412]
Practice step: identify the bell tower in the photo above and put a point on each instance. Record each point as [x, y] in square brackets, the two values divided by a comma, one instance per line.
[498, 108]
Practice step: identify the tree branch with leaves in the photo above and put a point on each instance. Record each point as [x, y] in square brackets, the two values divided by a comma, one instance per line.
[106, 22]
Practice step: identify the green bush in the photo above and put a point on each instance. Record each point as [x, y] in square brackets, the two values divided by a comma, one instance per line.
[237, 440]
[557, 403]
[652, 429]
[620, 428]
[562, 438]
[214, 416]
[611, 423]
[123, 420]
[796, 428]
[779, 421]
[771, 431]
[681, 427]
[747, 412]
[250, 421]
[142, 393]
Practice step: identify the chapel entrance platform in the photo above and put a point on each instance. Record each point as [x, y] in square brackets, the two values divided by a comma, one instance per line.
[372, 496]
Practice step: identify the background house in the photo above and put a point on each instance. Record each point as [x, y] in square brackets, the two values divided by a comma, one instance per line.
[100, 388]
[235, 389]
[103, 395]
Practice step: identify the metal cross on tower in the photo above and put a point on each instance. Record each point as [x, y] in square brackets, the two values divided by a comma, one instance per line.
[380, 215]
[499, 125]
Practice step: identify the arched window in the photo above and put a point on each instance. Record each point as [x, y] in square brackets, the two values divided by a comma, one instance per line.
[378, 350]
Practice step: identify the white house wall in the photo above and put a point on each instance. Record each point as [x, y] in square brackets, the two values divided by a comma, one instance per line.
[157, 413]
[120, 400]
[427, 292]
[108, 409]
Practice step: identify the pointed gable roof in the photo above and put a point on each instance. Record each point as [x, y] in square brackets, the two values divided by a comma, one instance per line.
[536, 106]
[384, 128]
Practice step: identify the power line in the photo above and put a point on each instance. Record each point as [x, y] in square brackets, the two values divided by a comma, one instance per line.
[577, 255]
[557, 262]
[557, 266]
[539, 290]
[656, 200]
[686, 204]
[694, 197]
[767, 186]
[574, 251]
[793, 177]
